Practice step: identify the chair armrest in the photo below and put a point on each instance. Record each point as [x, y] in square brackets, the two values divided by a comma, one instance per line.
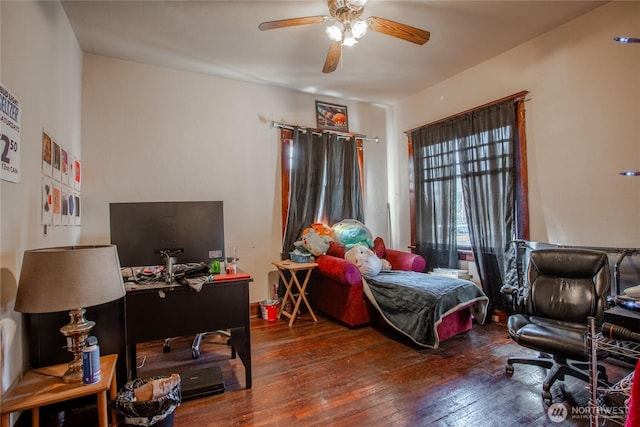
[339, 270]
[406, 261]
[514, 295]
[508, 290]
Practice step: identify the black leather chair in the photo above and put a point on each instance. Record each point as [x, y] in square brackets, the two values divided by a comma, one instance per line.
[564, 287]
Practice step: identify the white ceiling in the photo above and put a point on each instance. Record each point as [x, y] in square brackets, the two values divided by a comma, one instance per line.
[222, 38]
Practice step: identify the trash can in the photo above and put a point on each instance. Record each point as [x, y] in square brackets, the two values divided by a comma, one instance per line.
[269, 309]
[149, 401]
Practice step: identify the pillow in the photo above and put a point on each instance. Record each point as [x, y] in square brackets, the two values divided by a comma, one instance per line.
[379, 248]
[336, 249]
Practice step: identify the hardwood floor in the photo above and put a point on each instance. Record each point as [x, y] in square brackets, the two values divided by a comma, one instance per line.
[325, 374]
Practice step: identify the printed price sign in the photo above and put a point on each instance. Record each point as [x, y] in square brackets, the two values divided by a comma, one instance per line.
[9, 135]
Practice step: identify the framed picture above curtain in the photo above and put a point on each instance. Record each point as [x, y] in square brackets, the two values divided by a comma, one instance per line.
[332, 116]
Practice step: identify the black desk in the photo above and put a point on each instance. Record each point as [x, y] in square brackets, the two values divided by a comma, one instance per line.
[156, 313]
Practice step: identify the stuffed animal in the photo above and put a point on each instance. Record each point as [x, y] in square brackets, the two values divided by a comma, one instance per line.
[312, 241]
[351, 232]
[367, 262]
[321, 229]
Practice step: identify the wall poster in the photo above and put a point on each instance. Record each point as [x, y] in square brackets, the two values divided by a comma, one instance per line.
[47, 203]
[64, 166]
[332, 116]
[61, 183]
[57, 205]
[9, 135]
[57, 171]
[47, 153]
[77, 175]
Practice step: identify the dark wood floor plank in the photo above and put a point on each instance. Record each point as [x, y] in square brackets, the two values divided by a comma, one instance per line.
[326, 374]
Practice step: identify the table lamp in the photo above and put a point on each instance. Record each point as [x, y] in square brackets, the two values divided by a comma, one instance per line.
[70, 278]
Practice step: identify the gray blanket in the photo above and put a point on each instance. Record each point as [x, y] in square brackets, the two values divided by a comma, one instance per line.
[415, 303]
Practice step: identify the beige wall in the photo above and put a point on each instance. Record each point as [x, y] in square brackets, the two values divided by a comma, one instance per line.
[155, 134]
[583, 126]
[42, 66]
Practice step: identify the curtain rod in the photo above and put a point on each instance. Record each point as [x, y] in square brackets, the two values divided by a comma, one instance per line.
[515, 96]
[345, 135]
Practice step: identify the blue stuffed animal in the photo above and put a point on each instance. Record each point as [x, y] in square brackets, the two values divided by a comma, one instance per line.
[351, 232]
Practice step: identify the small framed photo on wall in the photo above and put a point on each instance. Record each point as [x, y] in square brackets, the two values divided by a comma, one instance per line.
[332, 116]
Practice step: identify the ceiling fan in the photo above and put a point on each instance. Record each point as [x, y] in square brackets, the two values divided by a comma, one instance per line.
[346, 26]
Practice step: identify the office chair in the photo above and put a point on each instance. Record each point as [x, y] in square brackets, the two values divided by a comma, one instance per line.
[564, 287]
[195, 346]
[183, 272]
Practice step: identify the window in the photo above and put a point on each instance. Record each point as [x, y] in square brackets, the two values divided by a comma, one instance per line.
[462, 228]
[468, 190]
[321, 180]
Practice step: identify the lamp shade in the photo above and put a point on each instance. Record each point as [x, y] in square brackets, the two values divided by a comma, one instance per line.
[70, 277]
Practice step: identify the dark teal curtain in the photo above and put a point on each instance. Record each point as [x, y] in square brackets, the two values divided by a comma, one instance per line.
[435, 183]
[484, 143]
[325, 183]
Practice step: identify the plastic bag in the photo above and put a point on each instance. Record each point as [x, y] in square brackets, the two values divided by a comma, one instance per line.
[351, 232]
[146, 412]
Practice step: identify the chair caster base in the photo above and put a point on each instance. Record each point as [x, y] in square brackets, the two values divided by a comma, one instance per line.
[509, 371]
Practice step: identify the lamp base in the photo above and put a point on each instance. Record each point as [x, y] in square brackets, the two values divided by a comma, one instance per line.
[76, 332]
[73, 375]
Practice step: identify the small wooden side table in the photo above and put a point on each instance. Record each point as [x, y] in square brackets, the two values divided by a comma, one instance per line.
[294, 268]
[44, 386]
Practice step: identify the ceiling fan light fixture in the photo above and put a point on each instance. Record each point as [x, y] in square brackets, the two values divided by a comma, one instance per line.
[349, 39]
[359, 28]
[358, 3]
[334, 31]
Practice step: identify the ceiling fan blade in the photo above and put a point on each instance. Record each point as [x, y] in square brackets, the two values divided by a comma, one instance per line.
[333, 57]
[396, 29]
[292, 22]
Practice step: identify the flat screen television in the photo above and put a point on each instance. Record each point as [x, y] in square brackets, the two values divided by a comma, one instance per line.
[192, 231]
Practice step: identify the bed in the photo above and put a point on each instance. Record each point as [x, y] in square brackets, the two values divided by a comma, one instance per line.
[426, 308]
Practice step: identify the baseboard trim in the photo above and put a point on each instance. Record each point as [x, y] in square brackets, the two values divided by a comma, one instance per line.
[499, 316]
[254, 310]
